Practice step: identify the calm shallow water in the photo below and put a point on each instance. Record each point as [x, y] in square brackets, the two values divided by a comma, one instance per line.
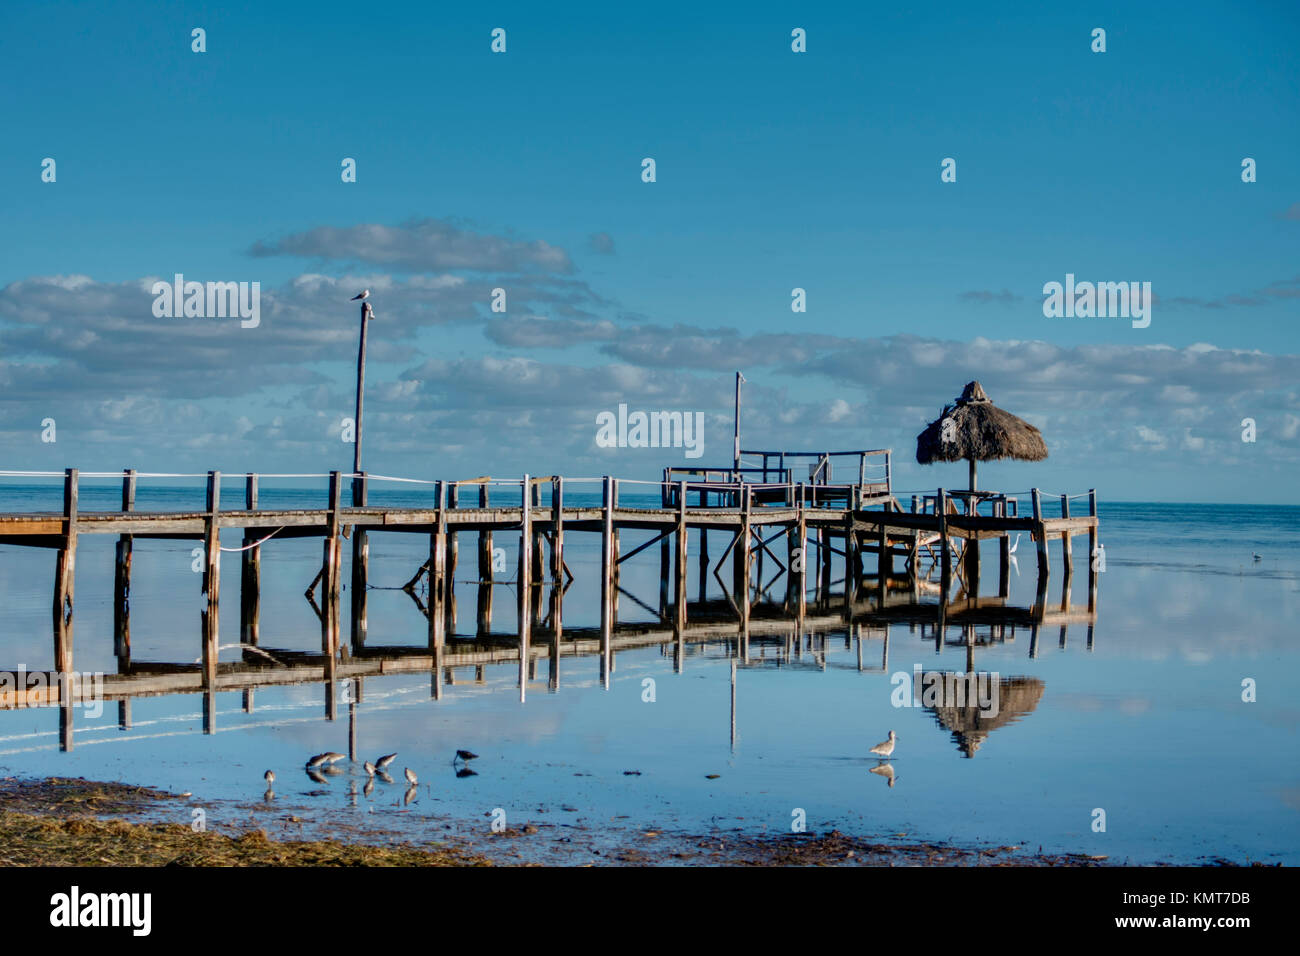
[1148, 725]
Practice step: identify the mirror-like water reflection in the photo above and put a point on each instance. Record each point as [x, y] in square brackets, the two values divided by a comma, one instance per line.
[1015, 717]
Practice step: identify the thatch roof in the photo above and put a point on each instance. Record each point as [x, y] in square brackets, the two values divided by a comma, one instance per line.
[980, 431]
[1017, 696]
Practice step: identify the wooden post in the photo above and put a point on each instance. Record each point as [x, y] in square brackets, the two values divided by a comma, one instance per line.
[945, 559]
[1067, 541]
[437, 593]
[557, 537]
[484, 538]
[745, 548]
[539, 552]
[65, 568]
[801, 576]
[485, 572]
[122, 581]
[360, 564]
[453, 548]
[884, 557]
[331, 569]
[366, 312]
[679, 583]
[704, 551]
[1092, 555]
[250, 574]
[211, 580]
[1004, 555]
[525, 583]
[614, 570]
[606, 579]
[1040, 536]
[665, 562]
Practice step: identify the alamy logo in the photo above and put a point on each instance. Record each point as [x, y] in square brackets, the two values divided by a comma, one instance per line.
[133, 910]
[1101, 299]
[934, 689]
[212, 300]
[20, 688]
[651, 430]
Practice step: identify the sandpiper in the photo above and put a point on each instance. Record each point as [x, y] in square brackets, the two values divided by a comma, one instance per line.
[885, 770]
[383, 762]
[370, 768]
[466, 755]
[885, 748]
[333, 757]
[269, 777]
[316, 761]
[410, 777]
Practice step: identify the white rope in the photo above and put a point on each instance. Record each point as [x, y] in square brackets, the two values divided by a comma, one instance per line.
[412, 481]
[250, 547]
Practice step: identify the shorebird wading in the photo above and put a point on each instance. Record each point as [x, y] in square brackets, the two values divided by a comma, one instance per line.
[370, 768]
[269, 777]
[885, 748]
[383, 762]
[410, 777]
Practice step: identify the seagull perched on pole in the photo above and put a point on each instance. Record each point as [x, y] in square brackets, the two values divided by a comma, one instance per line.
[360, 295]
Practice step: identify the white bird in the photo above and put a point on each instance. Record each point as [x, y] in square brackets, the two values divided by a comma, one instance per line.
[370, 768]
[1015, 544]
[361, 295]
[410, 777]
[885, 748]
[383, 762]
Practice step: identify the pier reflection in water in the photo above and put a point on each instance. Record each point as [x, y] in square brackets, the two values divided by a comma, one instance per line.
[824, 628]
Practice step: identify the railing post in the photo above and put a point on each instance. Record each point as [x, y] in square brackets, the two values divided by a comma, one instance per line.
[606, 579]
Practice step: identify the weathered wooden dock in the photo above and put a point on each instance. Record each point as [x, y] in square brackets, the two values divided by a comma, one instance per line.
[751, 509]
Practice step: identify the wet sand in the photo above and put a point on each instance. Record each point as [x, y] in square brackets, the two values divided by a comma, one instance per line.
[62, 821]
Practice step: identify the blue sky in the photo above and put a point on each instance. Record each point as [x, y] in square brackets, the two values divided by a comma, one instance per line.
[775, 170]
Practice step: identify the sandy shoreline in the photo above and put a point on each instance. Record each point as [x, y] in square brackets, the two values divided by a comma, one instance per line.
[65, 821]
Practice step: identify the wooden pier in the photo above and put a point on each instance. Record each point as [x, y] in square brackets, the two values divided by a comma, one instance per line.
[751, 509]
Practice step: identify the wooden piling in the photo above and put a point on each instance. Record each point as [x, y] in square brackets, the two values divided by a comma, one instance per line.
[884, 557]
[1004, 556]
[1040, 536]
[945, 557]
[743, 563]
[122, 581]
[65, 568]
[557, 535]
[250, 574]
[211, 580]
[606, 578]
[331, 568]
[679, 577]
[1067, 541]
[1092, 555]
[525, 584]
[360, 565]
[484, 538]
[437, 593]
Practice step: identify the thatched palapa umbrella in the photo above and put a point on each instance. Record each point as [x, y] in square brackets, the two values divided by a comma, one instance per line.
[978, 430]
